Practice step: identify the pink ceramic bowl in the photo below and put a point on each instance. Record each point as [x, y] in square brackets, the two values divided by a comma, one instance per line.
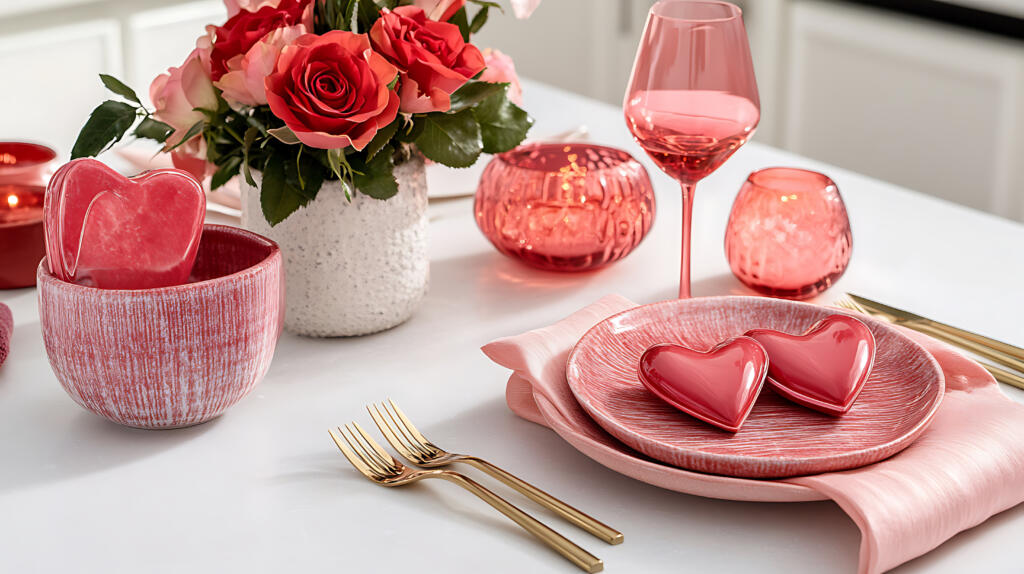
[172, 356]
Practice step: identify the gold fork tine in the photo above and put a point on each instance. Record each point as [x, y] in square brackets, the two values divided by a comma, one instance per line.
[390, 435]
[360, 451]
[355, 460]
[408, 423]
[368, 452]
[381, 453]
[1002, 375]
[414, 438]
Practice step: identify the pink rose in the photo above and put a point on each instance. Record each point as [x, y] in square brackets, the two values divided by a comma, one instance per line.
[500, 69]
[332, 90]
[236, 6]
[440, 10]
[178, 92]
[243, 84]
[432, 56]
[243, 30]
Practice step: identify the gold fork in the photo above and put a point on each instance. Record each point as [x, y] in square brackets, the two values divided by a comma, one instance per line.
[415, 447]
[1000, 374]
[376, 464]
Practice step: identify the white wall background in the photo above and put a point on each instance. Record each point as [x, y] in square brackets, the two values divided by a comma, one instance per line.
[933, 107]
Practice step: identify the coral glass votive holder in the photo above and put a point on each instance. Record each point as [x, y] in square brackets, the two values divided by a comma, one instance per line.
[565, 206]
[22, 244]
[788, 233]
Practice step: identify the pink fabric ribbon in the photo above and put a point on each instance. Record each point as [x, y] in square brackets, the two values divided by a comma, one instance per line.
[6, 328]
[968, 465]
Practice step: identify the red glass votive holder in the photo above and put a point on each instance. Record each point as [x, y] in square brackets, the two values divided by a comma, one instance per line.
[26, 163]
[565, 207]
[22, 245]
[788, 233]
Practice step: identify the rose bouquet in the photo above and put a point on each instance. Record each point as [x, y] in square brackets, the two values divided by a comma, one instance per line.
[306, 91]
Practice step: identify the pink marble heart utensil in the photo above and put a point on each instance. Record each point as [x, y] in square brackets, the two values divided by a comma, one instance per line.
[718, 386]
[113, 232]
[823, 369]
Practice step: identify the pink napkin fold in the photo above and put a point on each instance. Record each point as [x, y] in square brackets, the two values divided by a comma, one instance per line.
[6, 328]
[968, 465]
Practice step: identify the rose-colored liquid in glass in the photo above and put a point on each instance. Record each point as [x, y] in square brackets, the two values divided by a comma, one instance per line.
[565, 207]
[788, 233]
[692, 100]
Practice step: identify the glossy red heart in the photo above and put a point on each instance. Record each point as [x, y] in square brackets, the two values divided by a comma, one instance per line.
[718, 386]
[825, 368]
[109, 231]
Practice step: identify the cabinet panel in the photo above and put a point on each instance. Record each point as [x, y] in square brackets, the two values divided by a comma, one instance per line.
[52, 82]
[920, 104]
[159, 39]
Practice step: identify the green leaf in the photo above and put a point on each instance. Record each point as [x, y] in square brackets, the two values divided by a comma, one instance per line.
[305, 174]
[503, 125]
[461, 19]
[106, 126]
[119, 88]
[382, 138]
[191, 133]
[277, 198]
[225, 172]
[360, 15]
[472, 93]
[488, 4]
[285, 135]
[479, 19]
[337, 163]
[250, 137]
[153, 129]
[451, 139]
[376, 177]
[410, 130]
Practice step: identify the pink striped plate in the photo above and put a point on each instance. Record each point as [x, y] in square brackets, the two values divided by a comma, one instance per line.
[779, 438]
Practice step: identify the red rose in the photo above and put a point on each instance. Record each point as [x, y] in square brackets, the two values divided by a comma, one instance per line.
[432, 57]
[245, 28]
[332, 90]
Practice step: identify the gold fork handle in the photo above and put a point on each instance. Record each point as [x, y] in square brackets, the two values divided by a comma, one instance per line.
[578, 556]
[1004, 376]
[573, 515]
[943, 332]
[999, 346]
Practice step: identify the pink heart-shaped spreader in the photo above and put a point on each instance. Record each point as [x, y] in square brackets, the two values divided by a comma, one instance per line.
[113, 232]
[718, 386]
[823, 369]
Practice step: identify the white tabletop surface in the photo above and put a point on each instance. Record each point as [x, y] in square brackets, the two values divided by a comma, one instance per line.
[263, 489]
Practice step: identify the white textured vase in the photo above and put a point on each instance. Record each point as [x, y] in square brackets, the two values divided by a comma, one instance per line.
[351, 267]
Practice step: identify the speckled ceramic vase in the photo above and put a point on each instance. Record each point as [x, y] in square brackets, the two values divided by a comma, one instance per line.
[351, 267]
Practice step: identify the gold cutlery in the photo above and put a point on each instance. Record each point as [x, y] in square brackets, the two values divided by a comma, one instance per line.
[411, 444]
[975, 344]
[376, 464]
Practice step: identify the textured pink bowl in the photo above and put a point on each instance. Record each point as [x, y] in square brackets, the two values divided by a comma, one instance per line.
[172, 356]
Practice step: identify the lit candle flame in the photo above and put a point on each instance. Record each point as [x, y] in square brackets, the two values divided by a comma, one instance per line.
[12, 200]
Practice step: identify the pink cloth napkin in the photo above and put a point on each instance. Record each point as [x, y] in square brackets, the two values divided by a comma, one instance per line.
[6, 328]
[968, 465]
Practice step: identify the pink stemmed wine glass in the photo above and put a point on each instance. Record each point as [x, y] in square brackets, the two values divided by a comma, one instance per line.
[692, 99]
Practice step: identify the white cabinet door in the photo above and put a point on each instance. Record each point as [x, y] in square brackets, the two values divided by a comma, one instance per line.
[161, 38]
[51, 80]
[932, 107]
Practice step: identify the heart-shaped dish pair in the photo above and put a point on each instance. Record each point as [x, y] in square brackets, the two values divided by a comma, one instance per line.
[824, 368]
[109, 231]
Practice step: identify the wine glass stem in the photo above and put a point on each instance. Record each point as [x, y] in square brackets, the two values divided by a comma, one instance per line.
[684, 263]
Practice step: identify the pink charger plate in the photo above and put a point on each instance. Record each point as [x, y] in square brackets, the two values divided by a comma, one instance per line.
[779, 438]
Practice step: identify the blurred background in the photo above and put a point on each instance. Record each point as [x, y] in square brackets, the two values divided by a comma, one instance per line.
[927, 94]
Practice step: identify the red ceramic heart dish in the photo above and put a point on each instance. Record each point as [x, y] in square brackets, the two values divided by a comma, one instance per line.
[113, 232]
[825, 368]
[718, 386]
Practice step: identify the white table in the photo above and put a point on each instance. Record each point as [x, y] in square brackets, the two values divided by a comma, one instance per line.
[263, 489]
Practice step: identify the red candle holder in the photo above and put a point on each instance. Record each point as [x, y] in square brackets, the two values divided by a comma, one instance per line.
[565, 207]
[22, 245]
[26, 163]
[788, 233]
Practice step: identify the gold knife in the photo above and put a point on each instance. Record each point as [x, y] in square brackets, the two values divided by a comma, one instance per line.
[991, 349]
